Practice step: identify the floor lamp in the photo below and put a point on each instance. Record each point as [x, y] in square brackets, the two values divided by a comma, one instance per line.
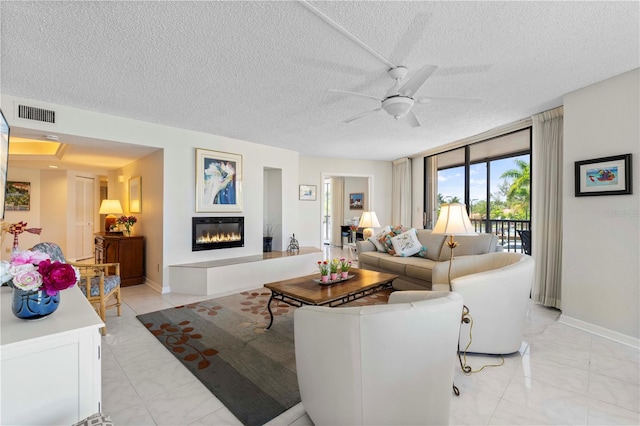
[453, 220]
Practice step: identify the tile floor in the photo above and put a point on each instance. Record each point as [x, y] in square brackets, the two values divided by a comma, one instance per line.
[561, 376]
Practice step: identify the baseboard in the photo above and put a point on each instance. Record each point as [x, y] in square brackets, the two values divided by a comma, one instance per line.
[600, 331]
[155, 286]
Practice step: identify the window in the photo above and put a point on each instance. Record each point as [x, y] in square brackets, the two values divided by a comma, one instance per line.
[492, 178]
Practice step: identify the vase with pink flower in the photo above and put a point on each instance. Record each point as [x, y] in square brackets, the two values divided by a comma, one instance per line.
[323, 266]
[345, 265]
[127, 222]
[333, 267]
[36, 283]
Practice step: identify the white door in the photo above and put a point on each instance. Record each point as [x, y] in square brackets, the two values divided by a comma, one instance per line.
[85, 204]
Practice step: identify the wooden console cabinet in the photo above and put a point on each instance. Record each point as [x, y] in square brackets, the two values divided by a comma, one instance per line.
[127, 251]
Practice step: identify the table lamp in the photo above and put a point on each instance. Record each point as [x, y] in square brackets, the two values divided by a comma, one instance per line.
[110, 208]
[368, 220]
[453, 220]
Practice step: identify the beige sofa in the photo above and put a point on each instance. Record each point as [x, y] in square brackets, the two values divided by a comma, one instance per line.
[415, 272]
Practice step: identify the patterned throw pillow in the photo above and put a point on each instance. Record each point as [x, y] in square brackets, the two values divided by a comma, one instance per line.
[375, 238]
[385, 240]
[406, 244]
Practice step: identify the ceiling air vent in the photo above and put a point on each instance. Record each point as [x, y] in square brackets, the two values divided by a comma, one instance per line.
[38, 114]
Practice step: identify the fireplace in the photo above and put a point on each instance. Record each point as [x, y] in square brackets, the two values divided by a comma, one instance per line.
[211, 233]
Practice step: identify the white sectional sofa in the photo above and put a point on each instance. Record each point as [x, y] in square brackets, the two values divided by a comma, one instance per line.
[415, 272]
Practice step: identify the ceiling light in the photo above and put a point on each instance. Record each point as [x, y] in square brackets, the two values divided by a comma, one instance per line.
[397, 106]
[51, 137]
[53, 166]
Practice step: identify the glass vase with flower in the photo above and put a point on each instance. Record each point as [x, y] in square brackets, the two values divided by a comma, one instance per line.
[36, 283]
[127, 222]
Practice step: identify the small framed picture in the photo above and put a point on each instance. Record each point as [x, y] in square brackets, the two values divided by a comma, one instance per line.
[18, 196]
[604, 176]
[307, 192]
[356, 201]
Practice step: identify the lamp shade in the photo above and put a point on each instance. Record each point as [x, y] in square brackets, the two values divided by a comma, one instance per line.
[453, 220]
[110, 207]
[369, 220]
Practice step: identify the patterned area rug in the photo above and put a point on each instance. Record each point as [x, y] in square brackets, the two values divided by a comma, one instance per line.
[223, 342]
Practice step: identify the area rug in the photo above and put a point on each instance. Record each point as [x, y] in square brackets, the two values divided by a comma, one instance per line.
[223, 342]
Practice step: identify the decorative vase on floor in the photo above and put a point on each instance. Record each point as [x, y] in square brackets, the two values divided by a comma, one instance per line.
[267, 243]
[32, 305]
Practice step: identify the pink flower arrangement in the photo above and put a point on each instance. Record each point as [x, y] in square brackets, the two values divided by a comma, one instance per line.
[34, 271]
[323, 266]
[127, 221]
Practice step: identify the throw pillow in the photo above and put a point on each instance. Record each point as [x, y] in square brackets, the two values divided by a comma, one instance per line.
[406, 244]
[375, 238]
[422, 252]
[385, 240]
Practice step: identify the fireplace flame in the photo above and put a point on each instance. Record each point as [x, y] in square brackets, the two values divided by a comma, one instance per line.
[218, 238]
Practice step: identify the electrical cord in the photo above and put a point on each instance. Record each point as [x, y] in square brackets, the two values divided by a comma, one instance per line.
[466, 369]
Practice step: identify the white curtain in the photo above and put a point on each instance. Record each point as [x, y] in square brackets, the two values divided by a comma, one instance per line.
[401, 192]
[546, 217]
[431, 191]
[337, 210]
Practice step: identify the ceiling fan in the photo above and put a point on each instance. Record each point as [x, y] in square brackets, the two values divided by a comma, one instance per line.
[399, 100]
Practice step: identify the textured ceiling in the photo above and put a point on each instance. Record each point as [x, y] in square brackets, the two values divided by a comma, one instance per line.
[261, 71]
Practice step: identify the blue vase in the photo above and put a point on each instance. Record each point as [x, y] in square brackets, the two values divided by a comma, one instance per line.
[32, 305]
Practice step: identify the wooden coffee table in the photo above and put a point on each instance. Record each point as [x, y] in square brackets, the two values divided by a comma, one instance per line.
[304, 291]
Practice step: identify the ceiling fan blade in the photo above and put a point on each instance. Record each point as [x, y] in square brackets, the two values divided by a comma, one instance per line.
[445, 100]
[362, 95]
[362, 114]
[417, 80]
[411, 119]
[346, 33]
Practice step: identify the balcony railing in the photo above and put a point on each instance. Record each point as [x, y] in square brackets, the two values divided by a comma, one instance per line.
[506, 230]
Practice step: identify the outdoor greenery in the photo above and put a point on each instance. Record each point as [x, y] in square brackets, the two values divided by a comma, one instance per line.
[512, 200]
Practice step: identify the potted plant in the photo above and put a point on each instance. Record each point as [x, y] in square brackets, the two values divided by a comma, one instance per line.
[323, 266]
[344, 267]
[267, 238]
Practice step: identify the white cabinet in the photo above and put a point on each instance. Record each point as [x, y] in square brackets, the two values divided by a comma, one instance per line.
[50, 369]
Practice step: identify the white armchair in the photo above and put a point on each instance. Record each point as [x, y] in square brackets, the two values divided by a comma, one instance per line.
[383, 364]
[496, 288]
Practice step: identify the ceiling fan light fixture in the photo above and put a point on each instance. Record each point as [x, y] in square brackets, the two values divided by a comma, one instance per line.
[397, 106]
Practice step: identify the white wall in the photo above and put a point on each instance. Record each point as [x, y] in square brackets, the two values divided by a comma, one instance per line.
[601, 249]
[311, 171]
[178, 179]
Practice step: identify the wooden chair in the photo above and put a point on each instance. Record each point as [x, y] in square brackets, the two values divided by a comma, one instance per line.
[97, 282]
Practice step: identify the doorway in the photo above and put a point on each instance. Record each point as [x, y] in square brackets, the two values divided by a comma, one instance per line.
[337, 211]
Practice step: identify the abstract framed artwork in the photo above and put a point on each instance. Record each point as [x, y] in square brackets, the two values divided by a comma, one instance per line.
[135, 194]
[218, 181]
[356, 201]
[307, 193]
[18, 196]
[604, 176]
